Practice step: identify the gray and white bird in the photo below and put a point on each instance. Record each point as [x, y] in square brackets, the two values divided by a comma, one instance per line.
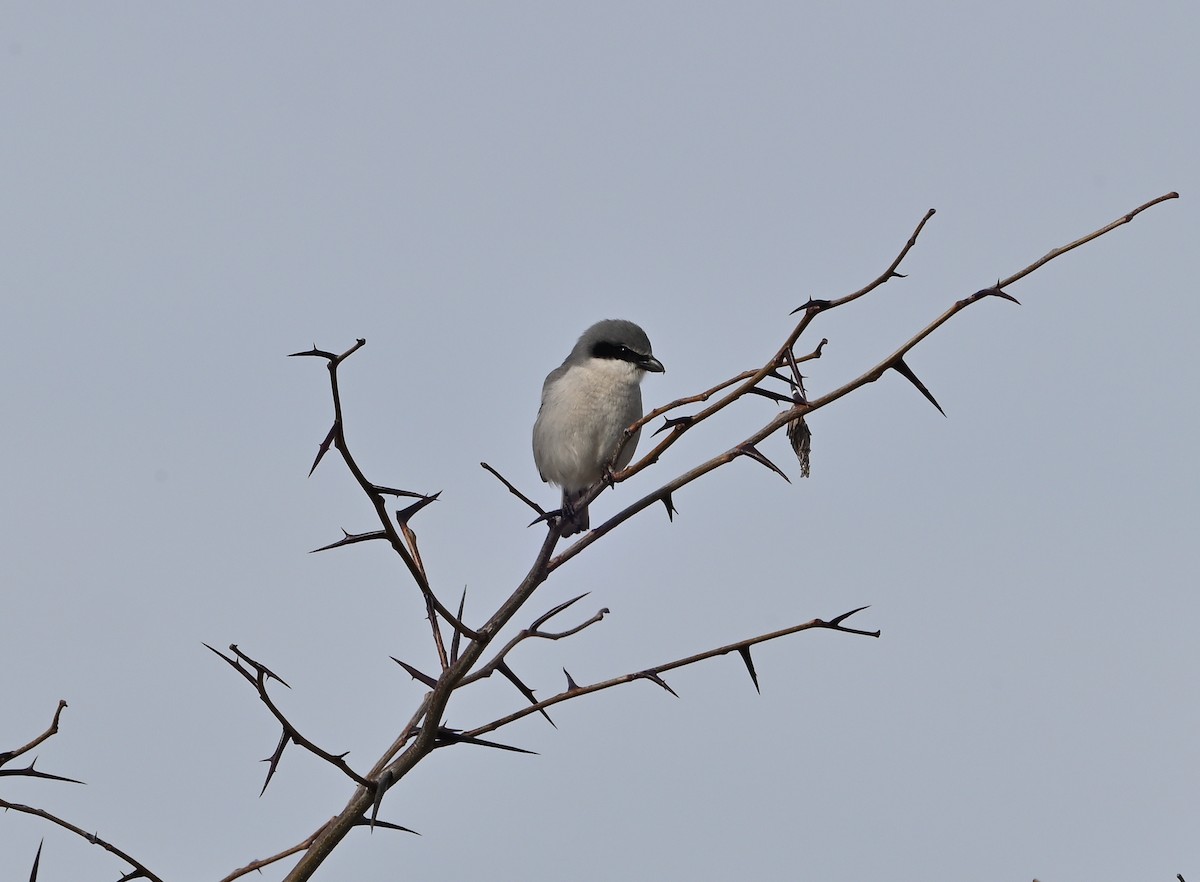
[587, 404]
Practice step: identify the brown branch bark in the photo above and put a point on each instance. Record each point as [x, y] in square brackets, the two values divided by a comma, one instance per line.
[50, 732]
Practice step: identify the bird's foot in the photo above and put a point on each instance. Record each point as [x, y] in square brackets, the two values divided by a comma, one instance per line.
[572, 518]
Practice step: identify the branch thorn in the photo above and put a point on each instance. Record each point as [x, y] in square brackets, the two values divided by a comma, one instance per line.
[812, 304]
[753, 452]
[37, 859]
[669, 504]
[381, 787]
[274, 759]
[404, 514]
[454, 641]
[325, 445]
[654, 678]
[447, 736]
[744, 652]
[672, 422]
[771, 394]
[905, 371]
[504, 669]
[416, 675]
[547, 616]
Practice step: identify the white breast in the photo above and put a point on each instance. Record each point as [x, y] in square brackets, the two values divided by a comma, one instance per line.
[584, 412]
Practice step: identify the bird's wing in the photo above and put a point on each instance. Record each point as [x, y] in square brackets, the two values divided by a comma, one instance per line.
[551, 378]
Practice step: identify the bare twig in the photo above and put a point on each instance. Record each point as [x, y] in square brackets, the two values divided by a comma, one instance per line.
[140, 871]
[834, 624]
[515, 492]
[51, 731]
[532, 632]
[29, 771]
[258, 679]
[260, 863]
[886, 276]
[337, 438]
[1083, 240]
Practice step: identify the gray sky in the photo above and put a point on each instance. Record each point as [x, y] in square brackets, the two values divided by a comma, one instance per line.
[192, 192]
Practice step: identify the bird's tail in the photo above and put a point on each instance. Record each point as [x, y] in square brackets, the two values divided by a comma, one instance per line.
[574, 515]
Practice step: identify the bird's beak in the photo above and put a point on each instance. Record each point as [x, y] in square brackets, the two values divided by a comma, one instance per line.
[651, 364]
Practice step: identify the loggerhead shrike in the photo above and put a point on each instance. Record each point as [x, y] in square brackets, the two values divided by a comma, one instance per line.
[587, 404]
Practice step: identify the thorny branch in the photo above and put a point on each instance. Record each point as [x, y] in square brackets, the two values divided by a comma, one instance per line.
[259, 863]
[463, 662]
[742, 647]
[812, 309]
[259, 678]
[51, 731]
[421, 735]
[29, 771]
[374, 492]
[139, 871]
[535, 631]
[782, 367]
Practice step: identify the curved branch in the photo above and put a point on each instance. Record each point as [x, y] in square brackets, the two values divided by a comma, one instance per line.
[140, 871]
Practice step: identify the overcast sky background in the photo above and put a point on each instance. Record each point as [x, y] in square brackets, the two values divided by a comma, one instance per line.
[190, 192]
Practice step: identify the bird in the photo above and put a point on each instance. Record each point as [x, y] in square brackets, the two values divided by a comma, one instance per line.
[587, 404]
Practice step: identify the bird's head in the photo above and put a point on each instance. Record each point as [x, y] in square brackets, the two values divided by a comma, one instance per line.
[619, 340]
